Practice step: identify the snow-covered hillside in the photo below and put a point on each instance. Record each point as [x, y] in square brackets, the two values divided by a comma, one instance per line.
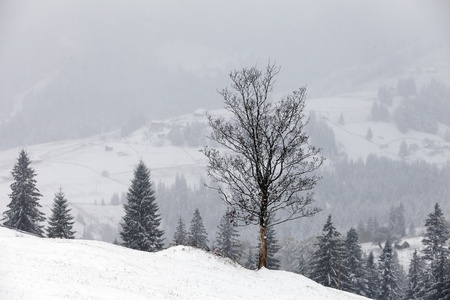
[35, 268]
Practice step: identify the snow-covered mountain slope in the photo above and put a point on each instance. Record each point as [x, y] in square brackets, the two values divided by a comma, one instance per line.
[35, 268]
[90, 170]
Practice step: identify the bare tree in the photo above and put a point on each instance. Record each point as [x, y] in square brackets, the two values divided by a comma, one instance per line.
[265, 167]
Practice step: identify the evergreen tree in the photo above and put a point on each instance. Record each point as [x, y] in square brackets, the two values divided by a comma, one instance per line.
[397, 223]
[140, 225]
[369, 134]
[273, 263]
[250, 263]
[328, 257]
[403, 151]
[115, 199]
[390, 281]
[60, 223]
[436, 234]
[341, 119]
[227, 241]
[356, 281]
[416, 278]
[437, 253]
[372, 277]
[180, 236]
[197, 236]
[23, 213]
[439, 285]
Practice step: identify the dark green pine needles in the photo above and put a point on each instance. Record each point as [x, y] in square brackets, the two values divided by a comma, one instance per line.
[140, 225]
[23, 213]
[60, 223]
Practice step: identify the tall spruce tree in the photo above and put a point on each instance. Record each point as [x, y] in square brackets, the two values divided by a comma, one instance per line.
[356, 281]
[439, 287]
[372, 277]
[390, 281]
[416, 278]
[250, 263]
[140, 225]
[436, 234]
[436, 252]
[60, 223]
[227, 238]
[327, 260]
[23, 213]
[180, 235]
[197, 236]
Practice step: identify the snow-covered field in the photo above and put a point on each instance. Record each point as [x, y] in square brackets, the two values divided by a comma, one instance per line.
[36, 268]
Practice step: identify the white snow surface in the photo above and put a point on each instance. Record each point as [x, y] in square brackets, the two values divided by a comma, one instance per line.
[38, 268]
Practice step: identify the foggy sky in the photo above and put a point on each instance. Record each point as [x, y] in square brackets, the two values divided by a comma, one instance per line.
[135, 47]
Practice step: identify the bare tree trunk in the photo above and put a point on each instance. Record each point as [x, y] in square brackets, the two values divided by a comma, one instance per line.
[263, 251]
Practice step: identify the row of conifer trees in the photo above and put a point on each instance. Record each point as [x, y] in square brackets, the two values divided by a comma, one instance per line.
[140, 225]
[340, 263]
[337, 262]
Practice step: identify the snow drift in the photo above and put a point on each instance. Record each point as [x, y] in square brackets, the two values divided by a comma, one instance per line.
[37, 268]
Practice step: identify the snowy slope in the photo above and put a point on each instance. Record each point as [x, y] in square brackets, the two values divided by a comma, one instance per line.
[35, 268]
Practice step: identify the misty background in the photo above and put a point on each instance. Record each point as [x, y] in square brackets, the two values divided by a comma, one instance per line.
[71, 69]
[119, 81]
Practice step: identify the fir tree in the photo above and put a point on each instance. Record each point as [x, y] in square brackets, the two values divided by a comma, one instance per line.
[227, 242]
[372, 277]
[390, 281]
[403, 151]
[180, 235]
[328, 257]
[197, 236]
[250, 263]
[23, 213]
[416, 278]
[369, 134]
[60, 223]
[115, 199]
[436, 235]
[439, 285]
[397, 223]
[341, 119]
[437, 253]
[140, 225]
[356, 281]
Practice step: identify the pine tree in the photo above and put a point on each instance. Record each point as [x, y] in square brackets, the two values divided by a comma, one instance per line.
[60, 223]
[23, 213]
[416, 278]
[328, 258]
[403, 151]
[115, 199]
[140, 225]
[227, 242]
[180, 235]
[369, 134]
[356, 281]
[397, 223]
[437, 253]
[439, 287]
[436, 235]
[390, 281]
[250, 263]
[372, 277]
[273, 263]
[197, 236]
